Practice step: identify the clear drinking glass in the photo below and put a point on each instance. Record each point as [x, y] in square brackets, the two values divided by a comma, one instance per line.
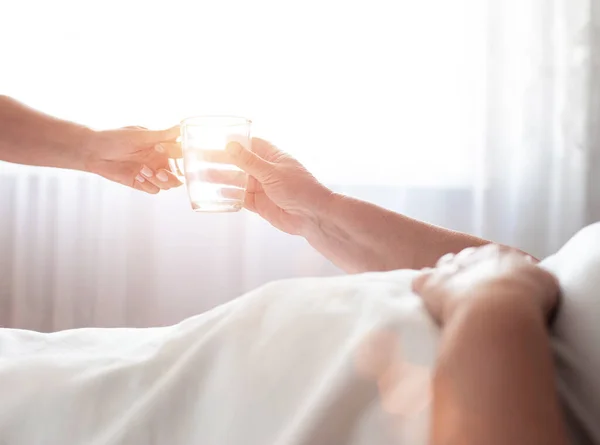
[213, 184]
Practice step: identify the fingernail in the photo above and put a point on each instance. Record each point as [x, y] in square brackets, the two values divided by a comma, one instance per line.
[146, 172]
[140, 179]
[159, 148]
[162, 176]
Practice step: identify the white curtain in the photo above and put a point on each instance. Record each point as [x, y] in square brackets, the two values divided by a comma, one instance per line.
[475, 115]
[539, 182]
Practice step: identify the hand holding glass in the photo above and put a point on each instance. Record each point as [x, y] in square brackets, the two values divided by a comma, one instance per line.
[213, 184]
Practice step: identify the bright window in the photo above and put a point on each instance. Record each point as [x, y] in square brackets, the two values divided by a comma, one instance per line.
[368, 91]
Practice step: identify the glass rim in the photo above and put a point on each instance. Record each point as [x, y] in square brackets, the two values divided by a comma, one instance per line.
[205, 121]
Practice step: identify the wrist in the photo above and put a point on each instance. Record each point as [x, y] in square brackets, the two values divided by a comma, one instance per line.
[319, 214]
[77, 148]
[89, 141]
[492, 302]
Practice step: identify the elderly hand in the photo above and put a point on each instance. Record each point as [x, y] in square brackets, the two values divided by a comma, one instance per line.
[487, 272]
[279, 188]
[134, 156]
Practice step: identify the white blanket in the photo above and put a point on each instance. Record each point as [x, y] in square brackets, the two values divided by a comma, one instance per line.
[310, 361]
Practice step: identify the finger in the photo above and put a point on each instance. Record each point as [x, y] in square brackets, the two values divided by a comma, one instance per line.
[420, 280]
[161, 178]
[153, 137]
[464, 254]
[145, 186]
[514, 258]
[250, 162]
[485, 252]
[265, 149]
[152, 159]
[172, 179]
[250, 198]
[233, 193]
[176, 167]
[491, 249]
[449, 257]
[169, 149]
[447, 269]
[215, 156]
[227, 177]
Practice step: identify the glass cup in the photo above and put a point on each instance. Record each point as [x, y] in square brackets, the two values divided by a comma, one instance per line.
[213, 184]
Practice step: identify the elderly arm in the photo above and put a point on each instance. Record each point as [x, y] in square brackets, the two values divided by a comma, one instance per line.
[359, 237]
[356, 236]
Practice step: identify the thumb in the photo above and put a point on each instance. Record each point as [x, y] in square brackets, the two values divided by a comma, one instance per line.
[250, 162]
[153, 137]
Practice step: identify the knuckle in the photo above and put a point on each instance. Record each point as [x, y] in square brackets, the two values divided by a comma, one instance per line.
[445, 258]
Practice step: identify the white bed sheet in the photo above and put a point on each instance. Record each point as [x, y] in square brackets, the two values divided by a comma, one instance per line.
[343, 360]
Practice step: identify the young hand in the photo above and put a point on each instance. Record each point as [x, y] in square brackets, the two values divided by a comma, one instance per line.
[134, 156]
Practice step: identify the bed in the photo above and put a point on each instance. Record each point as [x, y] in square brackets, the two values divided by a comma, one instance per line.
[341, 360]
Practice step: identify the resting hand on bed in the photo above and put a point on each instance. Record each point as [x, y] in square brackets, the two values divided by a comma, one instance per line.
[485, 273]
[494, 378]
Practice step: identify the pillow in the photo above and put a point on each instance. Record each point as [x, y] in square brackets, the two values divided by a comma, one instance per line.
[576, 333]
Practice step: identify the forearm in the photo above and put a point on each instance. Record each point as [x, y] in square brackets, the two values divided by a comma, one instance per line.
[494, 380]
[33, 138]
[360, 237]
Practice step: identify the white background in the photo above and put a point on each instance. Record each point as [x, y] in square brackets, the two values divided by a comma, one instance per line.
[350, 84]
[478, 115]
